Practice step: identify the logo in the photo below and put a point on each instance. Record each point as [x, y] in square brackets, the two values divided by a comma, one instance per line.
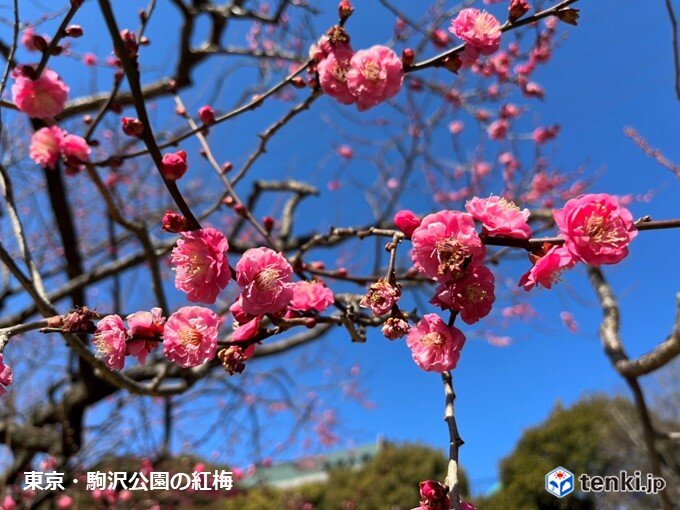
[559, 482]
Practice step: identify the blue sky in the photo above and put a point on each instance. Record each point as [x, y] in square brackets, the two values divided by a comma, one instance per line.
[614, 70]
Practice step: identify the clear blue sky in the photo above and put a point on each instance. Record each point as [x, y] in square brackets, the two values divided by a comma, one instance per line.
[613, 71]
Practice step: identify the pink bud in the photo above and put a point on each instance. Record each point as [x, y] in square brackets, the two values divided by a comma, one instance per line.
[406, 221]
[174, 165]
[174, 222]
[206, 114]
[132, 126]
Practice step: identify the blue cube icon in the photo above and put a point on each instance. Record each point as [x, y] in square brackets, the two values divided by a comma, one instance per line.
[559, 482]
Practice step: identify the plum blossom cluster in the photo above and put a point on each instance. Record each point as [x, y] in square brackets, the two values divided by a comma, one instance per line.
[366, 77]
[448, 249]
[50, 144]
[596, 230]
[189, 336]
[264, 277]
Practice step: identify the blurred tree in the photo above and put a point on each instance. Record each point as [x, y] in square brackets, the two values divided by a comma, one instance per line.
[389, 481]
[598, 435]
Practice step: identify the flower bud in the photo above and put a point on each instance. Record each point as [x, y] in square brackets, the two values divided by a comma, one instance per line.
[74, 31]
[406, 221]
[517, 9]
[206, 114]
[174, 165]
[132, 126]
[407, 57]
[129, 43]
[345, 9]
[174, 222]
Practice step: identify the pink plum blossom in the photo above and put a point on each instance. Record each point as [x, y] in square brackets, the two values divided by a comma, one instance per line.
[375, 75]
[480, 31]
[145, 330]
[309, 296]
[45, 146]
[445, 244]
[596, 228]
[381, 297]
[74, 150]
[547, 269]
[6, 375]
[42, 98]
[333, 70]
[472, 296]
[265, 278]
[434, 345]
[190, 336]
[110, 339]
[201, 264]
[500, 217]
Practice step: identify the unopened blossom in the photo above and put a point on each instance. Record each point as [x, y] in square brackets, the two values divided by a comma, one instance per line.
[456, 127]
[545, 134]
[8, 503]
[308, 296]
[500, 217]
[190, 336]
[201, 264]
[132, 126]
[472, 296]
[6, 375]
[480, 31]
[174, 165]
[381, 297]
[42, 98]
[90, 59]
[440, 38]
[406, 221]
[569, 321]
[173, 222]
[110, 339]
[345, 152]
[434, 495]
[28, 39]
[596, 228]
[333, 71]
[265, 278]
[395, 327]
[247, 330]
[434, 345]
[548, 269]
[498, 129]
[45, 146]
[446, 244]
[517, 9]
[206, 114]
[375, 75]
[145, 330]
[64, 502]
